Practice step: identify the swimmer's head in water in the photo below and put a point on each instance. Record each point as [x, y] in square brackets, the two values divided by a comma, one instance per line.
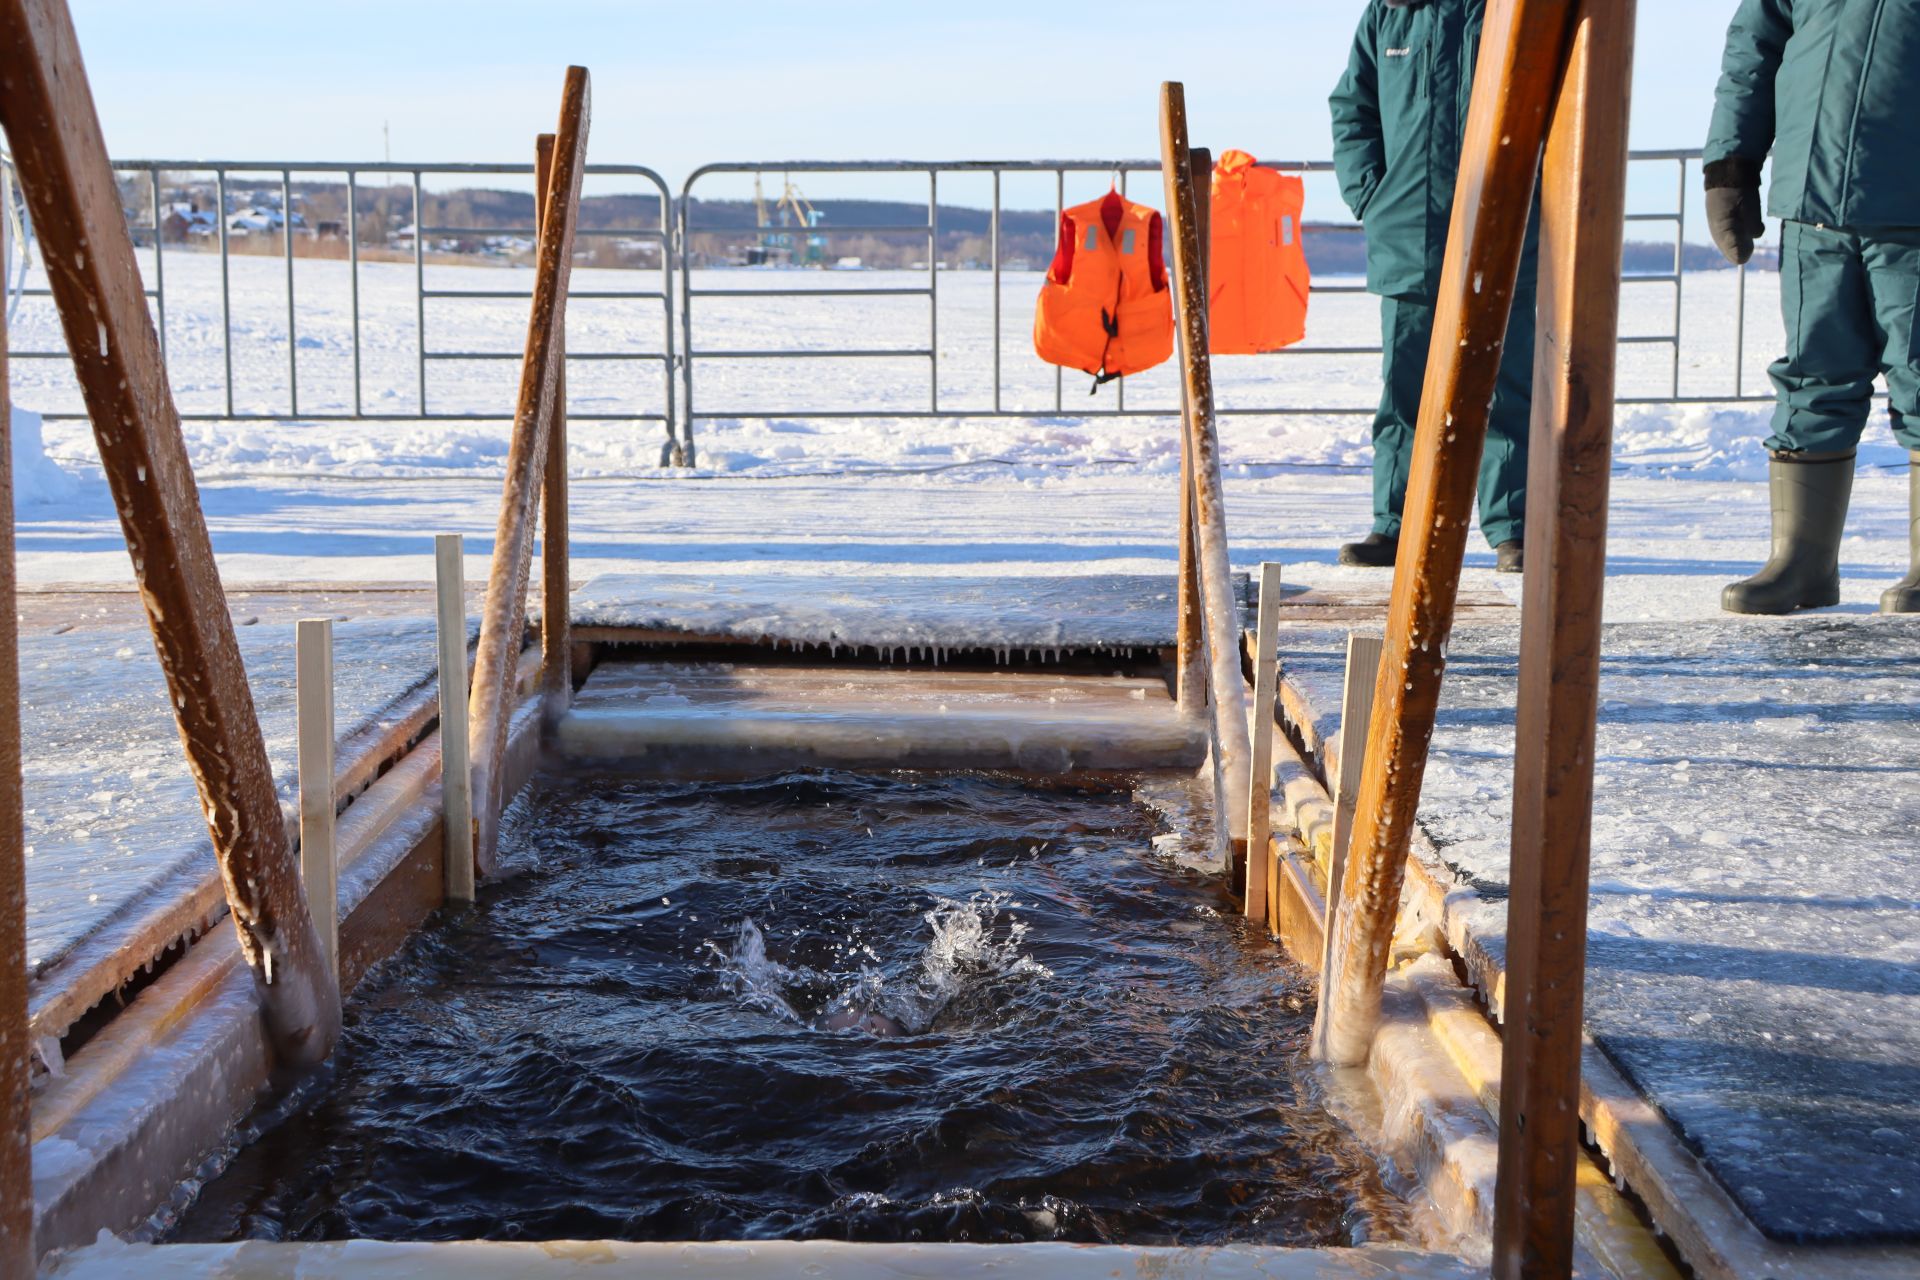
[873, 1024]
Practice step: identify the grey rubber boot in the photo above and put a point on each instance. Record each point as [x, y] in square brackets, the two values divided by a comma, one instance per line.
[1904, 595]
[1809, 501]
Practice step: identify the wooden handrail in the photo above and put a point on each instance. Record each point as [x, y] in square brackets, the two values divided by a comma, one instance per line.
[49, 115]
[1227, 686]
[1522, 49]
[503, 617]
[556, 588]
[1582, 221]
[1190, 680]
[16, 1108]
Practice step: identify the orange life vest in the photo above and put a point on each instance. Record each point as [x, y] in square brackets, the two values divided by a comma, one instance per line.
[1105, 308]
[1257, 270]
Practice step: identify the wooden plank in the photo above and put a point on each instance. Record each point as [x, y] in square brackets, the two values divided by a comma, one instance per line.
[1226, 686]
[16, 1115]
[49, 115]
[1521, 51]
[556, 590]
[1583, 209]
[503, 618]
[763, 1260]
[313, 692]
[1300, 911]
[1356, 721]
[1266, 674]
[457, 768]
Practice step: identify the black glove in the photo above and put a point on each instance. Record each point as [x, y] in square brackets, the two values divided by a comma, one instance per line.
[1733, 207]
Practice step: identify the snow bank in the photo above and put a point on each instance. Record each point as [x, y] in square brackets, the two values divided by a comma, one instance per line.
[37, 479]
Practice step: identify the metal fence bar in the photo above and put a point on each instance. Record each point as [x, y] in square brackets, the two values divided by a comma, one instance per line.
[1120, 385]
[521, 295]
[286, 244]
[994, 240]
[226, 287]
[1059, 212]
[159, 264]
[420, 288]
[920, 291]
[571, 355]
[847, 353]
[1740, 329]
[933, 289]
[1679, 266]
[353, 276]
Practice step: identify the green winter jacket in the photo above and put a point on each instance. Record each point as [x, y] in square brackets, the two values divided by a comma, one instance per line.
[1833, 88]
[1398, 116]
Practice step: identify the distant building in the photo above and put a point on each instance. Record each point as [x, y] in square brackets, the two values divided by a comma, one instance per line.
[184, 222]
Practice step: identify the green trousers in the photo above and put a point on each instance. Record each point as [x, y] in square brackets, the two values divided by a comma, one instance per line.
[1849, 300]
[1406, 331]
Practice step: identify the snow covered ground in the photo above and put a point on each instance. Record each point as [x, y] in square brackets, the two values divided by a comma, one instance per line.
[1673, 542]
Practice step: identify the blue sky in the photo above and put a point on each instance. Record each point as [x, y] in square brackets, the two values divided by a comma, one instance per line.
[679, 84]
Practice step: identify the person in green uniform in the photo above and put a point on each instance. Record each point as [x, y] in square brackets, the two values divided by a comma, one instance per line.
[1399, 114]
[1832, 88]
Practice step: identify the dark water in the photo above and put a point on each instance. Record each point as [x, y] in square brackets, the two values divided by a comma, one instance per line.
[1043, 1032]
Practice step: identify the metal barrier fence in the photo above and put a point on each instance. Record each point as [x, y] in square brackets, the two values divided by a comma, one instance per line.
[152, 234]
[683, 298]
[931, 353]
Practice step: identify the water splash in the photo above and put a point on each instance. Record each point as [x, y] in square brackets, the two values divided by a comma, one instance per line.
[761, 983]
[973, 945]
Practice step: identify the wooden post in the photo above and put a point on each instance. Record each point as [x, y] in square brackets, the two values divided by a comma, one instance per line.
[1583, 210]
[556, 590]
[1220, 611]
[1191, 686]
[1356, 716]
[313, 691]
[1266, 679]
[48, 111]
[456, 768]
[1521, 51]
[503, 616]
[16, 1111]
